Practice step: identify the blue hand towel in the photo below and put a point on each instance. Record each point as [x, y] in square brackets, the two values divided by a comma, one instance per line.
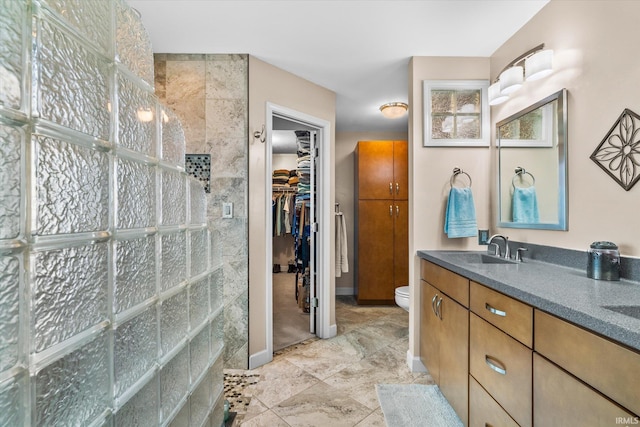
[460, 218]
[525, 205]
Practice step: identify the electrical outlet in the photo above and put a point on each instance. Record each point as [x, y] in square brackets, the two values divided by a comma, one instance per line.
[227, 210]
[483, 237]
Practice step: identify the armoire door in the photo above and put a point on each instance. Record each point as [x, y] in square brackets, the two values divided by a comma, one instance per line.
[400, 244]
[375, 170]
[375, 253]
[400, 170]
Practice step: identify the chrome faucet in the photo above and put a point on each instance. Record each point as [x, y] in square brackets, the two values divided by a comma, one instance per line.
[507, 252]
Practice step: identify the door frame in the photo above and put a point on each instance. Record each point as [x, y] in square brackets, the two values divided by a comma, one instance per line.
[323, 209]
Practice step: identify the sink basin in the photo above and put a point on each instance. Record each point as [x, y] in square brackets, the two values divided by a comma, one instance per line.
[481, 258]
[627, 310]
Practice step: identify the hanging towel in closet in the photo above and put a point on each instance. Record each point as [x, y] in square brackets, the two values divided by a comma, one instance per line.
[460, 217]
[525, 205]
[342, 261]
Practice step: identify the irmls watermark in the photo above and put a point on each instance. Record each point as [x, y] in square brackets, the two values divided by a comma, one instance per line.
[627, 421]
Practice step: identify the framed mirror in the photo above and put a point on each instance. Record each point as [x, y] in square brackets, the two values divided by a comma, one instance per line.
[532, 166]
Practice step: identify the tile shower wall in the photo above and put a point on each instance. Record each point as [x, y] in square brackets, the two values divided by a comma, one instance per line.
[111, 308]
[209, 93]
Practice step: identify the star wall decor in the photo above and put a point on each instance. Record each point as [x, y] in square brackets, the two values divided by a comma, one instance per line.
[619, 152]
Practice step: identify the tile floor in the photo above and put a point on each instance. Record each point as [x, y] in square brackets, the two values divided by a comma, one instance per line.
[328, 382]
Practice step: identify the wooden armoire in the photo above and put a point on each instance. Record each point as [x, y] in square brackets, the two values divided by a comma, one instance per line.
[382, 220]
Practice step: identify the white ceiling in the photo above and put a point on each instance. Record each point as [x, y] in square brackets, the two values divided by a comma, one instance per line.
[358, 49]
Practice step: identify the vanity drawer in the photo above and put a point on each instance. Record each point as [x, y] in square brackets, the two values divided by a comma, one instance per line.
[603, 364]
[562, 400]
[452, 284]
[512, 316]
[484, 411]
[503, 367]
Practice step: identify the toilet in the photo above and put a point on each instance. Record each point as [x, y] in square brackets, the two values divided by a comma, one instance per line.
[402, 297]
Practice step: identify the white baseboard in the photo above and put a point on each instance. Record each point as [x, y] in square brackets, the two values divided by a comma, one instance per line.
[261, 358]
[414, 363]
[344, 291]
[333, 330]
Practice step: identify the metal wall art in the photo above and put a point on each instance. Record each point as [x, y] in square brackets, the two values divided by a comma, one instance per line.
[619, 152]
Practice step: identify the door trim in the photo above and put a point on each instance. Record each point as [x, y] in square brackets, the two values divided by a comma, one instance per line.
[323, 327]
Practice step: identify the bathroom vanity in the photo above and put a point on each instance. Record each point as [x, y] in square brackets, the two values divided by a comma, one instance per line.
[531, 343]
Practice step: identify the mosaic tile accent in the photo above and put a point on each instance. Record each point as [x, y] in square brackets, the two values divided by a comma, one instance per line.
[199, 167]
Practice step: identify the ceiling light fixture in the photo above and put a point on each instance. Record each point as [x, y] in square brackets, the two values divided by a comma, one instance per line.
[531, 65]
[394, 110]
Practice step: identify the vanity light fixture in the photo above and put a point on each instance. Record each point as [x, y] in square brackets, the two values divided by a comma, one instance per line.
[531, 65]
[394, 110]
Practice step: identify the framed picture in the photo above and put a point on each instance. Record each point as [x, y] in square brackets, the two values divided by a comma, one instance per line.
[456, 113]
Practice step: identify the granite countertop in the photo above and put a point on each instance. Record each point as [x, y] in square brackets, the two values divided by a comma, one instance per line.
[562, 291]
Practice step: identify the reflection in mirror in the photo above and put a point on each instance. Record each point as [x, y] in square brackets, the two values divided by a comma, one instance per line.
[532, 152]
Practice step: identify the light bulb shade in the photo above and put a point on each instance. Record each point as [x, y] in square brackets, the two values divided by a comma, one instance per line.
[495, 97]
[511, 80]
[539, 65]
[394, 110]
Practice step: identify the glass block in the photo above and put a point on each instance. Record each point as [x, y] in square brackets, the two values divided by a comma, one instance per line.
[198, 302]
[136, 194]
[217, 415]
[9, 311]
[469, 101]
[217, 333]
[91, 18]
[199, 252]
[137, 117]
[11, 148]
[72, 82]
[12, 29]
[174, 321]
[200, 402]
[216, 372]
[133, 46]
[442, 127]
[198, 202]
[135, 272]
[442, 101]
[72, 185]
[215, 289]
[135, 349]
[174, 204]
[12, 394]
[141, 410]
[74, 389]
[199, 354]
[468, 127]
[174, 260]
[182, 417]
[174, 382]
[173, 139]
[69, 292]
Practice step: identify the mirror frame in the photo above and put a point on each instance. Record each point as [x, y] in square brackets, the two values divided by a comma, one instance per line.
[563, 188]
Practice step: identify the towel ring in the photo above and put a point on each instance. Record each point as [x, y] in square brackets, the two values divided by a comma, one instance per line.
[456, 172]
[520, 171]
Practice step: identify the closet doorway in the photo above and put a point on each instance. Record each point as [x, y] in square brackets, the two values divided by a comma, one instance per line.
[298, 228]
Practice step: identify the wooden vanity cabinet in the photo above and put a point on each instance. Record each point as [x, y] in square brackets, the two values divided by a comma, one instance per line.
[444, 341]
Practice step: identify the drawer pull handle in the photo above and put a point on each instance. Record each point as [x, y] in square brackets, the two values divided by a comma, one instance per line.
[495, 310]
[493, 364]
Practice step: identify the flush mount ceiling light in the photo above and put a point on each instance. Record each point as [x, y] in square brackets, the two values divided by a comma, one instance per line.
[531, 65]
[394, 110]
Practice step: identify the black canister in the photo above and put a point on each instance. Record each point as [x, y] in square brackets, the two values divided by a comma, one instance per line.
[604, 261]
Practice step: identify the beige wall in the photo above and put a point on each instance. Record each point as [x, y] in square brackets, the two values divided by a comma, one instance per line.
[595, 59]
[345, 181]
[430, 169]
[270, 84]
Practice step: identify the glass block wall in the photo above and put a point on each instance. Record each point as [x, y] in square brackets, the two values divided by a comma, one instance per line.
[110, 293]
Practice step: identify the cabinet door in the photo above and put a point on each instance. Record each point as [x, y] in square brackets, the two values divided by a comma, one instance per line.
[375, 251]
[429, 331]
[454, 356]
[401, 243]
[375, 170]
[484, 411]
[559, 399]
[401, 170]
